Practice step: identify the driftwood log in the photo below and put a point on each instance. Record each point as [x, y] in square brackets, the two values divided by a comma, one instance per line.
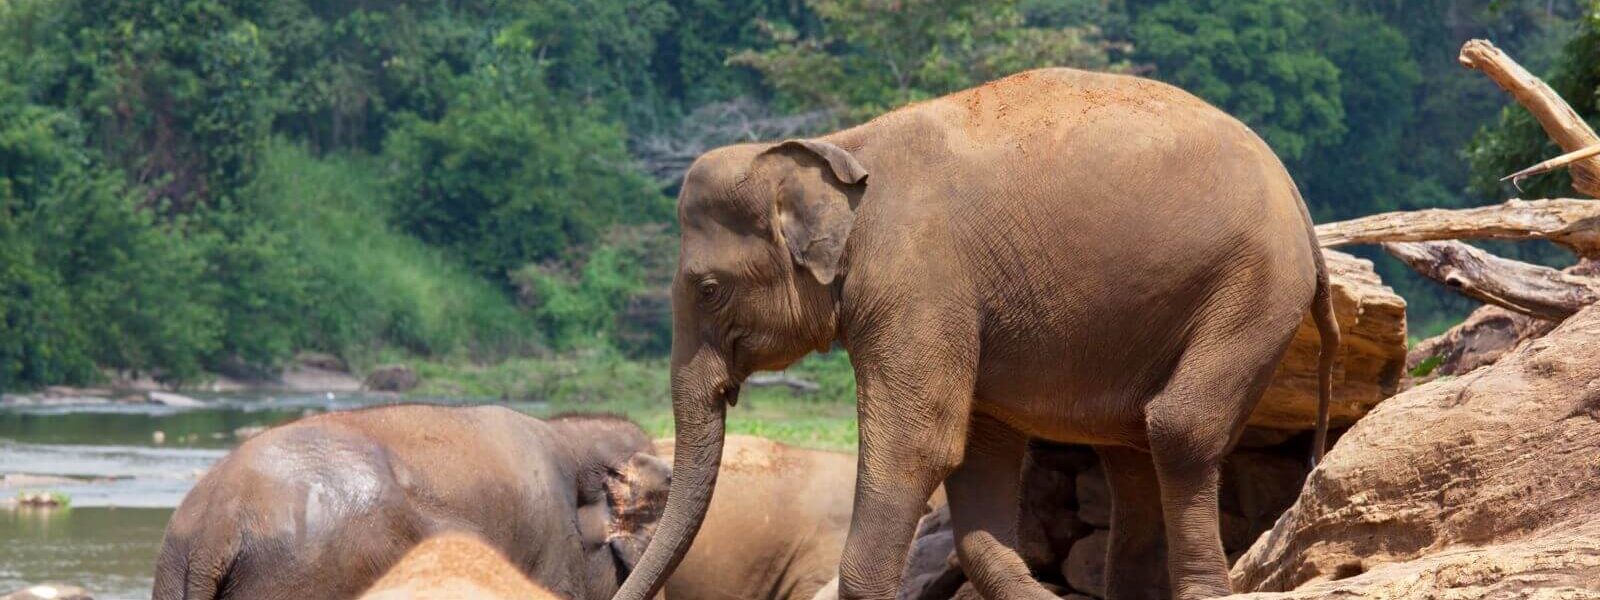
[1560, 122]
[1571, 223]
[1536, 291]
[1372, 321]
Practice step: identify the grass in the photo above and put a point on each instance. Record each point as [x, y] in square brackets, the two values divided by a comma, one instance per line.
[598, 381]
[373, 281]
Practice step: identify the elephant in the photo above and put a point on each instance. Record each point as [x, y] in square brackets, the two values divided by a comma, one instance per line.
[455, 566]
[776, 525]
[321, 507]
[1061, 255]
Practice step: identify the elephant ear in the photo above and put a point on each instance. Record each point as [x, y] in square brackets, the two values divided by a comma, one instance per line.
[636, 495]
[814, 215]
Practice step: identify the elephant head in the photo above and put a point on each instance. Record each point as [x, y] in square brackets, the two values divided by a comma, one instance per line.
[764, 229]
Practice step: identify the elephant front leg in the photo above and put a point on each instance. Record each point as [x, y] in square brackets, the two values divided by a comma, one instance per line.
[913, 410]
[984, 502]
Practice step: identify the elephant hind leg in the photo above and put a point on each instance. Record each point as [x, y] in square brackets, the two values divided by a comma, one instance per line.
[984, 499]
[1191, 425]
[1136, 557]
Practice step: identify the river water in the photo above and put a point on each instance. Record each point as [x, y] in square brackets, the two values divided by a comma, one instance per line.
[123, 477]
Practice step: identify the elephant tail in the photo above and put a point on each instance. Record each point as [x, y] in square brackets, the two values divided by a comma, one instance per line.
[191, 569]
[1328, 331]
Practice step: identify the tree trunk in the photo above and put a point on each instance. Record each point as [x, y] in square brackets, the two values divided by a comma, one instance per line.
[1531, 290]
[1574, 224]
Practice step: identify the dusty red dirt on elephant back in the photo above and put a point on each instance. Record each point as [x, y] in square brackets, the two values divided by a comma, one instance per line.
[455, 566]
[1484, 485]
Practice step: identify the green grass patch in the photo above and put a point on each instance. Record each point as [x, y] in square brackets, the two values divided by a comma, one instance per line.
[599, 381]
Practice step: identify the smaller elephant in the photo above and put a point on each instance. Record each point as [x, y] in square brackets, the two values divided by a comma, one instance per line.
[455, 566]
[323, 506]
[776, 525]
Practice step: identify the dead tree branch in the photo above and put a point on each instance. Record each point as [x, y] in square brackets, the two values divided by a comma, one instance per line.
[1572, 223]
[1532, 290]
[1560, 122]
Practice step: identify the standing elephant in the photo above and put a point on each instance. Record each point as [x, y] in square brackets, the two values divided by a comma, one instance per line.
[1072, 256]
[321, 507]
[775, 528]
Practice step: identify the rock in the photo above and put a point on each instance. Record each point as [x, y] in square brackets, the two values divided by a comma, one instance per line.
[1482, 485]
[1094, 497]
[158, 437]
[303, 378]
[391, 378]
[1256, 488]
[174, 400]
[248, 431]
[1481, 339]
[49, 591]
[1264, 437]
[25, 480]
[1048, 525]
[320, 360]
[1371, 360]
[1085, 568]
[931, 572]
[40, 500]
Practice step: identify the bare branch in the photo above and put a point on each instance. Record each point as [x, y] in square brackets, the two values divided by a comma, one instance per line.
[1560, 122]
[1531, 290]
[1569, 222]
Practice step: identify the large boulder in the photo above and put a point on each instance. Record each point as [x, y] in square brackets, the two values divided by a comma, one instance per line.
[1480, 485]
[1372, 321]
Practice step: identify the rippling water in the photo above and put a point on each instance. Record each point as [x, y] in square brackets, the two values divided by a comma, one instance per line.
[122, 482]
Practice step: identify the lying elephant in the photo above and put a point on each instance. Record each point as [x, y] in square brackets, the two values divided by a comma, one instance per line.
[321, 507]
[455, 566]
[776, 525]
[1069, 256]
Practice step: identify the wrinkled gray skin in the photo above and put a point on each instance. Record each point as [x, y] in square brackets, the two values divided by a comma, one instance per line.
[1078, 257]
[320, 508]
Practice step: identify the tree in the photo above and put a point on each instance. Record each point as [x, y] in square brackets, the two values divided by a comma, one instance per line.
[874, 55]
[1256, 59]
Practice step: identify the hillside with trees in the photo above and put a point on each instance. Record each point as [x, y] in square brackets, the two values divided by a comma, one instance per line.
[213, 186]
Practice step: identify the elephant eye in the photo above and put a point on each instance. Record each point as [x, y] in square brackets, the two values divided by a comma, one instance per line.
[708, 289]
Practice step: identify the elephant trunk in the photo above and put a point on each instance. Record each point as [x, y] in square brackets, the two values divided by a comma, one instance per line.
[701, 392]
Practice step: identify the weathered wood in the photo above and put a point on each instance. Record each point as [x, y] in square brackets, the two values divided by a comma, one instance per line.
[1531, 290]
[1372, 321]
[782, 378]
[1572, 223]
[1552, 164]
[1560, 122]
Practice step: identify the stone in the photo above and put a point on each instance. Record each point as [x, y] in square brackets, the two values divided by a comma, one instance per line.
[1486, 335]
[931, 571]
[391, 378]
[1476, 486]
[1085, 567]
[49, 591]
[320, 360]
[1256, 488]
[1094, 497]
[1371, 361]
[174, 400]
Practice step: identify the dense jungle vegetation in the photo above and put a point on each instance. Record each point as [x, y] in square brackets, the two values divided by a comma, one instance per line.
[198, 186]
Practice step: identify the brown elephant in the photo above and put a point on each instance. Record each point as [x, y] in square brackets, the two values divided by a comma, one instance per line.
[455, 566]
[321, 507]
[1071, 256]
[776, 525]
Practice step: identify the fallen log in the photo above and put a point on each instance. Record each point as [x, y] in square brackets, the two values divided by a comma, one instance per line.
[1560, 122]
[1532, 290]
[783, 378]
[1571, 223]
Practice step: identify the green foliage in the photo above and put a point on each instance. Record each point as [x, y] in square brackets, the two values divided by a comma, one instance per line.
[361, 283]
[1254, 58]
[88, 278]
[512, 175]
[875, 55]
